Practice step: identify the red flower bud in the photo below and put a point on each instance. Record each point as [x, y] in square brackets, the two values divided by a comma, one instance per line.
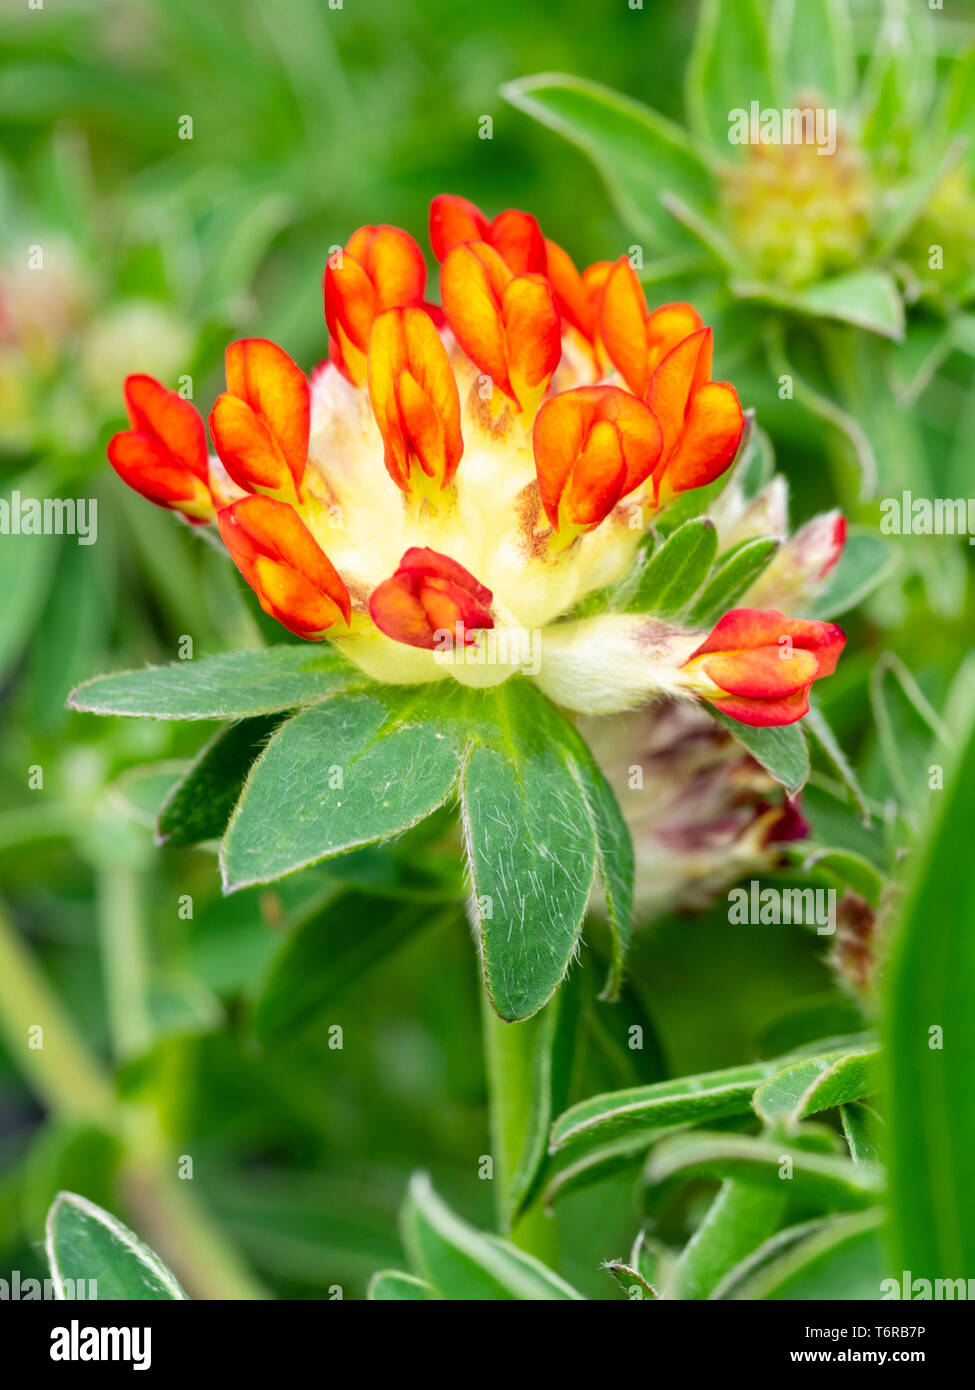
[763, 664]
[431, 602]
[164, 455]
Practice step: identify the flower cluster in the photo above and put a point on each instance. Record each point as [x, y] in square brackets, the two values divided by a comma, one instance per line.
[455, 478]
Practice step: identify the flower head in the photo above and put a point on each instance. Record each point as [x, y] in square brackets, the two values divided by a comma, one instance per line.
[490, 467]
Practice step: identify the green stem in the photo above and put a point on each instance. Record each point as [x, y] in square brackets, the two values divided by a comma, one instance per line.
[55, 1061]
[123, 958]
[71, 1084]
[510, 1055]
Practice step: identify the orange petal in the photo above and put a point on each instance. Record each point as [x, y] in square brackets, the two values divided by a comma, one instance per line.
[762, 672]
[667, 326]
[473, 279]
[745, 629]
[623, 318]
[575, 301]
[455, 220]
[686, 367]
[414, 397]
[260, 425]
[709, 442]
[381, 268]
[152, 471]
[282, 562]
[533, 335]
[763, 714]
[166, 417]
[514, 235]
[431, 602]
[592, 445]
[518, 240]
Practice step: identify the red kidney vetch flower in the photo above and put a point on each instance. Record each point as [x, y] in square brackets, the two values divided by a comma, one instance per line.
[431, 602]
[164, 455]
[759, 666]
[281, 561]
[453, 480]
[259, 426]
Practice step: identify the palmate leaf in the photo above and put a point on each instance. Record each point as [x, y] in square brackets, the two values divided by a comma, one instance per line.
[83, 1242]
[733, 575]
[686, 1100]
[356, 763]
[539, 820]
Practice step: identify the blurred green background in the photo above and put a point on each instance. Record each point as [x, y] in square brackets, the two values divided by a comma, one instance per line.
[306, 123]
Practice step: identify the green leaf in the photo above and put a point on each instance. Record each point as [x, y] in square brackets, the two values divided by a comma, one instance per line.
[906, 729]
[464, 1264]
[673, 575]
[621, 1155]
[814, 40]
[641, 156]
[630, 1280]
[868, 560]
[615, 865]
[27, 564]
[639, 1109]
[867, 299]
[730, 66]
[332, 948]
[898, 84]
[818, 1178]
[199, 806]
[740, 1218]
[845, 866]
[355, 769]
[930, 1025]
[734, 574]
[531, 848]
[833, 1257]
[83, 1243]
[815, 1084]
[863, 1131]
[818, 726]
[234, 685]
[781, 751]
[392, 1285]
[912, 363]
